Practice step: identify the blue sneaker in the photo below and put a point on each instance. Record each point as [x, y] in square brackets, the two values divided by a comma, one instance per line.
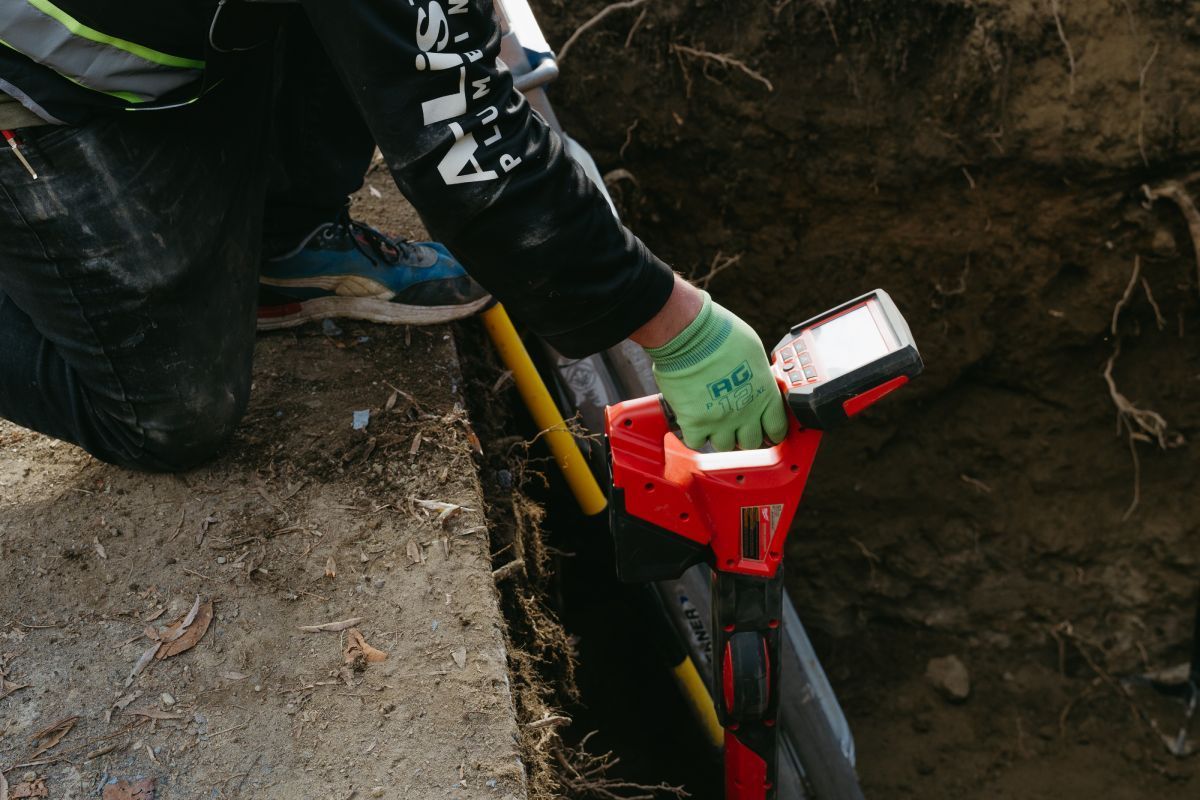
[350, 270]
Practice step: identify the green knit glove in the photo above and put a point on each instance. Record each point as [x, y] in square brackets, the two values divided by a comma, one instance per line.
[715, 377]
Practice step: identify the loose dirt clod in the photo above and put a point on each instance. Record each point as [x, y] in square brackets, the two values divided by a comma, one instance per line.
[949, 676]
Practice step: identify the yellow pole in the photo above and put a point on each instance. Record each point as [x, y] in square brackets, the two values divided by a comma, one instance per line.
[696, 692]
[545, 413]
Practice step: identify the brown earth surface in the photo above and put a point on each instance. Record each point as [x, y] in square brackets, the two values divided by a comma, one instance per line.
[304, 521]
[984, 162]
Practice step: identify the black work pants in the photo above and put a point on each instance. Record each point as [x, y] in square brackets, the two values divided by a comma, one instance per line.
[129, 267]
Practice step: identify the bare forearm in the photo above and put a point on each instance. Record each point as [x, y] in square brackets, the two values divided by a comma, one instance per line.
[682, 307]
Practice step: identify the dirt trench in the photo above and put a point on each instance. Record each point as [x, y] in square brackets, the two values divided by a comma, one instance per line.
[983, 162]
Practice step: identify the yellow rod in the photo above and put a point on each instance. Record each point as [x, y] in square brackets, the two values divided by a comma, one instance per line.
[545, 413]
[696, 693]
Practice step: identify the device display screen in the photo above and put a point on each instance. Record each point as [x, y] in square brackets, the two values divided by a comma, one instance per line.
[848, 342]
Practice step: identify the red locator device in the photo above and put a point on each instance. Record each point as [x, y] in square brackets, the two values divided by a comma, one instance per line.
[672, 508]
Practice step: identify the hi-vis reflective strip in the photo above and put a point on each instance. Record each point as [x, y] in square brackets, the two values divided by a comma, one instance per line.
[52, 37]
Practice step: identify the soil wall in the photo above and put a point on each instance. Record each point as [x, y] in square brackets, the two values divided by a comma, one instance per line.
[984, 162]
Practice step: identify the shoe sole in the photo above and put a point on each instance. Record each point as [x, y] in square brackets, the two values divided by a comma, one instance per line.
[366, 309]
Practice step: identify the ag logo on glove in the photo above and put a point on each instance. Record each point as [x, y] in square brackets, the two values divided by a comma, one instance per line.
[734, 390]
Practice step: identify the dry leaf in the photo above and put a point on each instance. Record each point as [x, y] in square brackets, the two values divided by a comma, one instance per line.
[330, 568]
[26, 789]
[414, 553]
[192, 612]
[357, 648]
[391, 401]
[416, 445]
[7, 687]
[192, 635]
[445, 510]
[145, 659]
[331, 627]
[49, 737]
[177, 628]
[150, 712]
[120, 705]
[234, 676]
[142, 789]
[460, 657]
[153, 615]
[99, 548]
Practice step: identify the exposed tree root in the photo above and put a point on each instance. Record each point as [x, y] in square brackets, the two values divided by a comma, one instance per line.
[725, 61]
[1062, 35]
[1064, 632]
[584, 775]
[1176, 192]
[596, 20]
[720, 263]
[1136, 423]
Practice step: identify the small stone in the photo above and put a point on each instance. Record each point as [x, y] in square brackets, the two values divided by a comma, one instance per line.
[257, 687]
[221, 559]
[377, 791]
[949, 676]
[166, 699]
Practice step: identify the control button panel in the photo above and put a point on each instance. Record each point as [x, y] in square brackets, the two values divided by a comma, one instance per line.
[797, 363]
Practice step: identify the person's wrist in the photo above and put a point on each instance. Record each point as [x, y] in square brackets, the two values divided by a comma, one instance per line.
[680, 310]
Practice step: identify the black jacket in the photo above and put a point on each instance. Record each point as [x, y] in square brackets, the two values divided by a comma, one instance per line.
[488, 176]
